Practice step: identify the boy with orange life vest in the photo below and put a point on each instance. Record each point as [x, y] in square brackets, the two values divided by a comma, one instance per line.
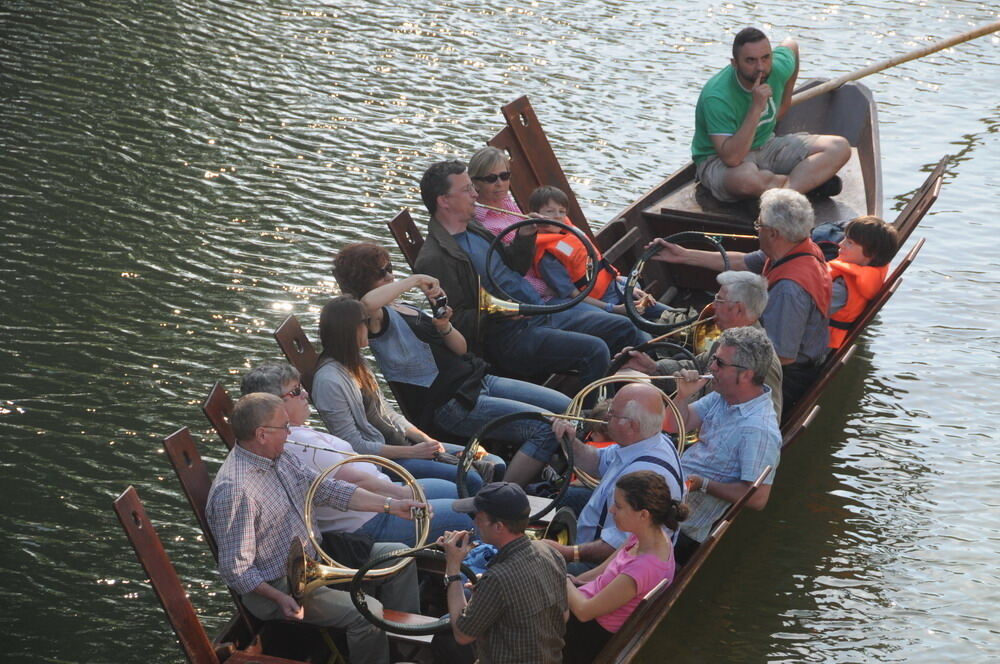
[859, 271]
[561, 260]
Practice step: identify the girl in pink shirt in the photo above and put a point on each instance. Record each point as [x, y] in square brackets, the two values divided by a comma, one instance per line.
[610, 592]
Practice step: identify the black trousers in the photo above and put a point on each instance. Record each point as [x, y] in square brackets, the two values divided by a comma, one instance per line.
[796, 379]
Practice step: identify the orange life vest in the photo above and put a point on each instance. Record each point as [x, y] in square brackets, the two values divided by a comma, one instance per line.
[863, 283]
[569, 251]
[806, 266]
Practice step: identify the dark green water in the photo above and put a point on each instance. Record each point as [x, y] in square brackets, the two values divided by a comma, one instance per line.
[176, 176]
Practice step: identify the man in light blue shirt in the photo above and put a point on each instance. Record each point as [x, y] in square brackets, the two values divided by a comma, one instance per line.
[738, 433]
[635, 422]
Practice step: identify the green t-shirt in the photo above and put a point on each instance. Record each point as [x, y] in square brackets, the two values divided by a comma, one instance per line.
[723, 103]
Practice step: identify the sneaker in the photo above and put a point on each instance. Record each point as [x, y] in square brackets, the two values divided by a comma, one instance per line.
[828, 189]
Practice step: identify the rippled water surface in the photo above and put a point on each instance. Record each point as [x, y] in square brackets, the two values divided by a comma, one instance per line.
[176, 176]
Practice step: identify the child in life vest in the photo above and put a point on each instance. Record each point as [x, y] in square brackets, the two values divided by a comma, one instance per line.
[561, 261]
[859, 271]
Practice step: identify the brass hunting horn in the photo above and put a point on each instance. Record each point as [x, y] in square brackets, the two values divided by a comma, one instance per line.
[306, 574]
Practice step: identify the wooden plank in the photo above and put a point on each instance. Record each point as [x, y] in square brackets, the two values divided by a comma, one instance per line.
[407, 236]
[218, 407]
[163, 577]
[532, 161]
[297, 349]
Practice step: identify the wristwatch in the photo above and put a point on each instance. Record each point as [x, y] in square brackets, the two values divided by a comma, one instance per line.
[449, 579]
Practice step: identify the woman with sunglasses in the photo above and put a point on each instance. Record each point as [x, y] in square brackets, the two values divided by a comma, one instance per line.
[428, 362]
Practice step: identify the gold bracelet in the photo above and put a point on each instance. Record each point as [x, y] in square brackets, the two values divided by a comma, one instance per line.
[576, 553]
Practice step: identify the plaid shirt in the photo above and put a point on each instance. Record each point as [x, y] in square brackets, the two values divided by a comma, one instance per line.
[517, 610]
[255, 509]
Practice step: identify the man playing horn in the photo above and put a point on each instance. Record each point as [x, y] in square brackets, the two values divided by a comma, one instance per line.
[255, 510]
[735, 150]
[740, 302]
[319, 450]
[738, 433]
[635, 420]
[799, 287]
[455, 253]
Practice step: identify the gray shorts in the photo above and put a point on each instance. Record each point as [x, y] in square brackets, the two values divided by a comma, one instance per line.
[779, 155]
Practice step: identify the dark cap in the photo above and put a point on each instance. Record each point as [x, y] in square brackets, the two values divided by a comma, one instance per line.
[502, 500]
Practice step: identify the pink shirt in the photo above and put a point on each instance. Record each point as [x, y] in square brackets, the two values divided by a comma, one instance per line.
[646, 570]
[496, 222]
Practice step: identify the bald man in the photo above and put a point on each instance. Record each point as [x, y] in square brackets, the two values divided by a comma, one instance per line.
[635, 423]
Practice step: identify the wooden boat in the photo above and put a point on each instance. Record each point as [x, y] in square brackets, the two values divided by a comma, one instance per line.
[673, 205]
[679, 204]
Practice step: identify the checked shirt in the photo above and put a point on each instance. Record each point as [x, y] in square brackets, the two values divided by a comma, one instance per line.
[517, 608]
[255, 509]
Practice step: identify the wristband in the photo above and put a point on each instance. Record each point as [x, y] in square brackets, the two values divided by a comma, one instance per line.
[576, 553]
[386, 505]
[704, 485]
[451, 328]
[609, 307]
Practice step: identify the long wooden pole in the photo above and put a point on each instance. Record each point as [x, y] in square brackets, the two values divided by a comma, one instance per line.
[892, 62]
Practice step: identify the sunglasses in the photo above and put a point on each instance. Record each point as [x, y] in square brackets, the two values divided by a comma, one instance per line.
[293, 393]
[723, 364]
[492, 177]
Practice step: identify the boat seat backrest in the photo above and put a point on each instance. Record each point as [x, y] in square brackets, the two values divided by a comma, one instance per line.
[532, 161]
[218, 407]
[193, 475]
[298, 349]
[407, 235]
[163, 577]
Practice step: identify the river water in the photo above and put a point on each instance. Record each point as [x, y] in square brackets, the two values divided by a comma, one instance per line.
[176, 176]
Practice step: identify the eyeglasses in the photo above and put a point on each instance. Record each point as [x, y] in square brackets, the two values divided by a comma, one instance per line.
[293, 393]
[287, 427]
[613, 415]
[385, 271]
[492, 177]
[723, 364]
[720, 300]
[467, 189]
[757, 225]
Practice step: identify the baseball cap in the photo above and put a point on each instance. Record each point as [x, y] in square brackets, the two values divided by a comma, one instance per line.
[503, 500]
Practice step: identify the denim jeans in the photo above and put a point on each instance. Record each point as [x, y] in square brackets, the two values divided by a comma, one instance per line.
[431, 469]
[502, 396]
[529, 348]
[440, 494]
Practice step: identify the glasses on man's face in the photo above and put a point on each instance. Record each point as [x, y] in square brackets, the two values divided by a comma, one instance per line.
[493, 177]
[722, 363]
[287, 427]
[468, 190]
[720, 300]
[757, 225]
[385, 271]
[293, 393]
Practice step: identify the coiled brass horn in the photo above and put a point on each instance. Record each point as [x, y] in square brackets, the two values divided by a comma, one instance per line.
[495, 306]
[306, 574]
[576, 407]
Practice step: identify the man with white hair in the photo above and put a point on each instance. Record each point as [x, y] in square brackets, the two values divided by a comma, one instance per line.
[741, 300]
[738, 433]
[635, 423]
[798, 280]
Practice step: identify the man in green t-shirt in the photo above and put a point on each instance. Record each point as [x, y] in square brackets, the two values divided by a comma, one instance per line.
[734, 148]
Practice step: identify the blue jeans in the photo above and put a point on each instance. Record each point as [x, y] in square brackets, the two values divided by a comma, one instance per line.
[440, 494]
[502, 396]
[529, 347]
[431, 469]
